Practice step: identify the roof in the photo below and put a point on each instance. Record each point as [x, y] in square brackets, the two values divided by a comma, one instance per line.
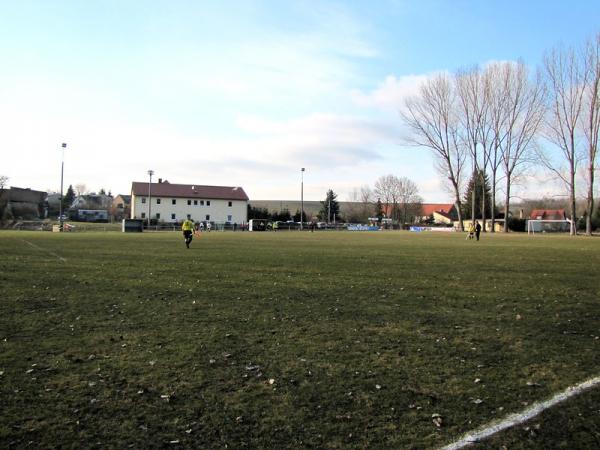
[189, 191]
[549, 214]
[126, 198]
[428, 209]
[25, 195]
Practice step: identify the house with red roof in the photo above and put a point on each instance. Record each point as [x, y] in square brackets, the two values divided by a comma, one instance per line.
[442, 213]
[548, 214]
[173, 203]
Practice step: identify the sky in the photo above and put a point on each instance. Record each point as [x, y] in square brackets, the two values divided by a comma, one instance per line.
[246, 93]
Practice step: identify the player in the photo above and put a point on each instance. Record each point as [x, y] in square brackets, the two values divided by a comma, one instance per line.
[188, 228]
[471, 231]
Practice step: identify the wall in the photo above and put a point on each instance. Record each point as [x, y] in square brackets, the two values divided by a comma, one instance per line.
[218, 209]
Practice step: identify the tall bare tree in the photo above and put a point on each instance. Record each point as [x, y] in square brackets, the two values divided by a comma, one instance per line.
[525, 112]
[497, 78]
[386, 189]
[566, 80]
[472, 93]
[361, 207]
[409, 200]
[591, 120]
[432, 118]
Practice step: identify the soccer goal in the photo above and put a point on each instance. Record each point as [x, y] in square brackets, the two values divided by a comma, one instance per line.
[548, 226]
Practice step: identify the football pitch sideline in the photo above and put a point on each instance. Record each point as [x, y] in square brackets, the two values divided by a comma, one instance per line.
[295, 339]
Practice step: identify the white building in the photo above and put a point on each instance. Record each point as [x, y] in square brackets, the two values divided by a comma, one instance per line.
[176, 202]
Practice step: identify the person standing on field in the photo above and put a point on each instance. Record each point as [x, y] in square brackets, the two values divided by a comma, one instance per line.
[188, 229]
[471, 231]
[477, 229]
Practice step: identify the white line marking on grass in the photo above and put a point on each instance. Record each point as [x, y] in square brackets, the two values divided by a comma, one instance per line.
[524, 416]
[45, 250]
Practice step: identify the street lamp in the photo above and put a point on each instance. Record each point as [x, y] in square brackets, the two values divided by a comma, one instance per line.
[302, 198]
[150, 172]
[62, 169]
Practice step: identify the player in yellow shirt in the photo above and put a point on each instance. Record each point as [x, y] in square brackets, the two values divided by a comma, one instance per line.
[188, 229]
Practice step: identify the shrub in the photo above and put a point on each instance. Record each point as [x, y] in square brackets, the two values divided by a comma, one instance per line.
[516, 224]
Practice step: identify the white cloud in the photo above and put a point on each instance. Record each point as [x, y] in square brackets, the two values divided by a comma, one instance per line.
[391, 94]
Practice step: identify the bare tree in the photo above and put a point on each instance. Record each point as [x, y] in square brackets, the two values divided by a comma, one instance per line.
[3, 201]
[408, 197]
[81, 189]
[566, 79]
[361, 205]
[367, 200]
[591, 120]
[431, 117]
[472, 93]
[525, 112]
[386, 190]
[497, 81]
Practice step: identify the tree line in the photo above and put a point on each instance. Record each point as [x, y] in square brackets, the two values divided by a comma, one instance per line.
[491, 122]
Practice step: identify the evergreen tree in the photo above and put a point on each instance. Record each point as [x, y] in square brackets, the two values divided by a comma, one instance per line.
[296, 217]
[281, 216]
[257, 213]
[102, 192]
[68, 198]
[476, 185]
[330, 208]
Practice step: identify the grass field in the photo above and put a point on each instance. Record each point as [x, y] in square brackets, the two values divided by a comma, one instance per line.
[289, 340]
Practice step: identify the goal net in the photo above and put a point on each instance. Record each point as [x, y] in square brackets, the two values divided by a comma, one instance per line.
[548, 226]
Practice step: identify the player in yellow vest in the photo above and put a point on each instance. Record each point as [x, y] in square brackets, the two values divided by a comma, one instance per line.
[188, 229]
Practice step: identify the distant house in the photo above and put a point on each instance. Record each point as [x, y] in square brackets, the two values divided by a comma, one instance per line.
[20, 203]
[92, 201]
[548, 214]
[175, 202]
[91, 207]
[121, 207]
[442, 213]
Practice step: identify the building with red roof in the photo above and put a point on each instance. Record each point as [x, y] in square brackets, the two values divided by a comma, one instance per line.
[173, 203]
[548, 214]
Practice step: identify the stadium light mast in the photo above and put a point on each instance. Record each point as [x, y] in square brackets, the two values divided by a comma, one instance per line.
[302, 197]
[150, 172]
[62, 170]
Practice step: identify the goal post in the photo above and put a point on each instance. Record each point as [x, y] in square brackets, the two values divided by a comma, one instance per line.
[548, 225]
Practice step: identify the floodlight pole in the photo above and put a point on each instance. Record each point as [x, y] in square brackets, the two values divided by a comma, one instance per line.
[302, 198]
[62, 170]
[150, 172]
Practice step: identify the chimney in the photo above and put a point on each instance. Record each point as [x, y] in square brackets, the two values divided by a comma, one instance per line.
[159, 180]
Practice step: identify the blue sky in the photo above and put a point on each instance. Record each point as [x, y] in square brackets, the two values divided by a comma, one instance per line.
[246, 92]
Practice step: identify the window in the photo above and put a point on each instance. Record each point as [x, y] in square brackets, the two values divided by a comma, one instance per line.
[143, 199]
[230, 204]
[207, 217]
[189, 202]
[173, 201]
[143, 215]
[189, 216]
[207, 202]
[173, 216]
[120, 205]
[158, 216]
[201, 202]
[195, 202]
[158, 201]
[229, 218]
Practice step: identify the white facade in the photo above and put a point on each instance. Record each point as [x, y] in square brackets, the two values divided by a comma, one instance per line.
[171, 209]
